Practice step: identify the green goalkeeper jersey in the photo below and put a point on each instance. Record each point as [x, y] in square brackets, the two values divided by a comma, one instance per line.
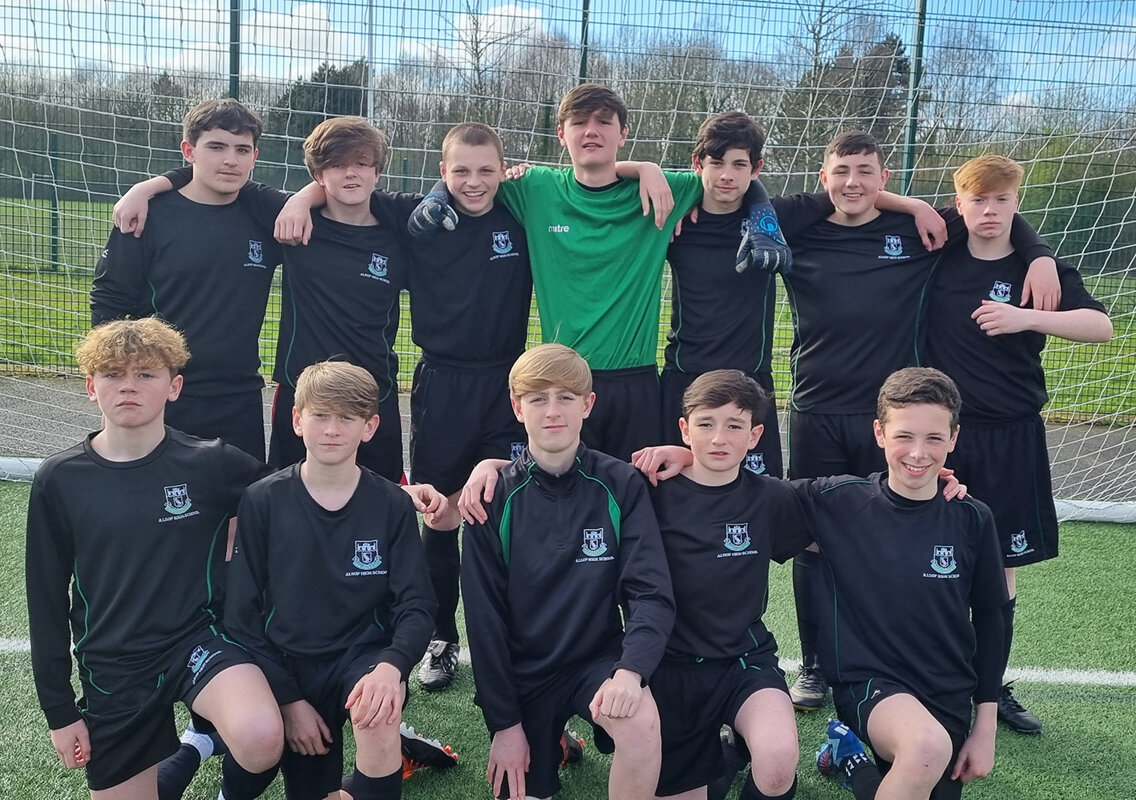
[597, 262]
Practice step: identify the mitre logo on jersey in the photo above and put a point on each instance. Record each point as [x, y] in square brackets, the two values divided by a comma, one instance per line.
[1018, 542]
[367, 554]
[594, 544]
[737, 537]
[378, 265]
[501, 243]
[516, 449]
[893, 246]
[1000, 292]
[177, 499]
[255, 254]
[755, 463]
[943, 559]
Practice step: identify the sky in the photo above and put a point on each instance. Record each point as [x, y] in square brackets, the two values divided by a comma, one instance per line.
[1041, 44]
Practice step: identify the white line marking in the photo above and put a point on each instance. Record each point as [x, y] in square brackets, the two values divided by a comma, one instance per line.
[1084, 677]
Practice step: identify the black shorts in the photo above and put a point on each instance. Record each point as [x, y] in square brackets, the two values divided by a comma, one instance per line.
[695, 700]
[1006, 466]
[833, 444]
[325, 684]
[132, 728]
[764, 459]
[459, 417]
[625, 417]
[236, 418]
[546, 708]
[382, 454]
[856, 701]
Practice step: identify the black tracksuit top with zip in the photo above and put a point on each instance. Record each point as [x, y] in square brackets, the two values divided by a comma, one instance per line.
[545, 578]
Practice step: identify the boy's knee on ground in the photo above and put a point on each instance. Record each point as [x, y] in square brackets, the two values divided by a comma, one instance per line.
[774, 764]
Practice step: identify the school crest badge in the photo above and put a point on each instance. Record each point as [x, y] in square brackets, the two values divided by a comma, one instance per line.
[755, 463]
[516, 449]
[943, 559]
[1000, 292]
[501, 243]
[367, 554]
[1018, 542]
[177, 499]
[893, 245]
[737, 537]
[256, 252]
[378, 265]
[594, 544]
[197, 659]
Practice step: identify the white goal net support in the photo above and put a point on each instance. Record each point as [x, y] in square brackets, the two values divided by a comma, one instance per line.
[91, 98]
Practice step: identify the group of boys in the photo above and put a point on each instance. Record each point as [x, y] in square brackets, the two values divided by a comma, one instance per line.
[583, 527]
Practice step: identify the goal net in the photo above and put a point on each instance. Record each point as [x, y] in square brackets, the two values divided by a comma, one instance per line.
[92, 95]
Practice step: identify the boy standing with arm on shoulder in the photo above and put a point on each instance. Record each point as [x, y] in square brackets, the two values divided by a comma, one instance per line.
[976, 330]
[722, 318]
[470, 297]
[346, 649]
[204, 264]
[544, 601]
[597, 263]
[856, 286]
[127, 535]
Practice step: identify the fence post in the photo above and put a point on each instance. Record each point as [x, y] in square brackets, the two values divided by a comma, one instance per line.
[53, 168]
[584, 41]
[914, 80]
[235, 49]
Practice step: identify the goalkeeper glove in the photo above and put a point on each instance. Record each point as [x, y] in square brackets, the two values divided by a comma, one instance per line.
[432, 213]
[763, 245]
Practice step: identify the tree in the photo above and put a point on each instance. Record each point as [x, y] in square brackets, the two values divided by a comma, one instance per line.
[330, 92]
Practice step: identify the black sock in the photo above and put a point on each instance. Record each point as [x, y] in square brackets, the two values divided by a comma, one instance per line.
[388, 787]
[863, 775]
[176, 772]
[805, 574]
[751, 792]
[736, 757]
[237, 783]
[1008, 624]
[443, 563]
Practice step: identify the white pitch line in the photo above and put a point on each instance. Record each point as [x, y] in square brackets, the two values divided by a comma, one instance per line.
[1083, 677]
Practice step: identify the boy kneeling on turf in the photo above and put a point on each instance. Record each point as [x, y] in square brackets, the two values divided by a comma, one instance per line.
[721, 525]
[913, 636]
[126, 538]
[569, 541]
[328, 588]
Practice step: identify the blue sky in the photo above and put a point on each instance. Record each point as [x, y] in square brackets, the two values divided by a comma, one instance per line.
[1042, 43]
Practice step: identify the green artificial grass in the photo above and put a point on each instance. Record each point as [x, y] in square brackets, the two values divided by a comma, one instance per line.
[1077, 612]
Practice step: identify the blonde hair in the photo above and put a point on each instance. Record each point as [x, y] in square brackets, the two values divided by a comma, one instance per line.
[550, 365]
[989, 173]
[115, 345]
[472, 133]
[338, 387]
[336, 142]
